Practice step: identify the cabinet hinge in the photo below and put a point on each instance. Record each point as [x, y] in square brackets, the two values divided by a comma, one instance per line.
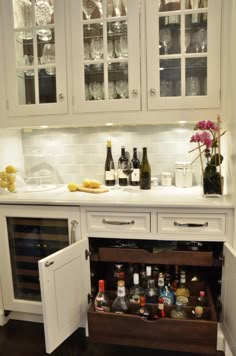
[222, 260]
[87, 254]
[7, 312]
[90, 298]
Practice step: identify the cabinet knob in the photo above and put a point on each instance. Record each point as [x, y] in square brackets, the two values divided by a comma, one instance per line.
[134, 92]
[152, 91]
[61, 97]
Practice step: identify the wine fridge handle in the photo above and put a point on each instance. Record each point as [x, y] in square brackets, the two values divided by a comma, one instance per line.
[112, 222]
[190, 224]
[74, 224]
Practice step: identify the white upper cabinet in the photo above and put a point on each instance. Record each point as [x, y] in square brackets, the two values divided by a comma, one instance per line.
[34, 47]
[105, 55]
[183, 53]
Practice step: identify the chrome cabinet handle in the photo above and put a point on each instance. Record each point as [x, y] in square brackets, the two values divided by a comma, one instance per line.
[190, 224]
[49, 263]
[134, 92]
[74, 224]
[112, 222]
[152, 91]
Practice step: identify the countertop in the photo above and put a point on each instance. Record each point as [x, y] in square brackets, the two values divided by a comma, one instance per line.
[121, 197]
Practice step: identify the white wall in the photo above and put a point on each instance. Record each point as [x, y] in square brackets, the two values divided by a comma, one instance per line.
[11, 148]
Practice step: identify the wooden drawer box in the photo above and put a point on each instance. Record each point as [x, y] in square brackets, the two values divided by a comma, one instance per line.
[190, 258]
[191, 224]
[190, 335]
[107, 222]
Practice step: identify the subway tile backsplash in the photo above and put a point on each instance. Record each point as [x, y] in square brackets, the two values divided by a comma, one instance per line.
[72, 154]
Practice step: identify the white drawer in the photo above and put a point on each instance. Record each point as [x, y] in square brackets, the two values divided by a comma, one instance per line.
[118, 223]
[190, 224]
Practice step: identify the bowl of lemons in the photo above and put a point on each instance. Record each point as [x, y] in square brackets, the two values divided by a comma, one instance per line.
[8, 179]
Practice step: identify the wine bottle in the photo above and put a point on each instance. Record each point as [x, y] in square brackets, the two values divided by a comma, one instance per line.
[145, 171]
[135, 291]
[102, 301]
[182, 292]
[109, 166]
[135, 164]
[122, 165]
[121, 304]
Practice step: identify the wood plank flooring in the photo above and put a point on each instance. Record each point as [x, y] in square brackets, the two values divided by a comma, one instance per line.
[18, 338]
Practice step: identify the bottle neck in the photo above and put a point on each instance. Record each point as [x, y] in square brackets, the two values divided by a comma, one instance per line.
[144, 153]
[135, 156]
[123, 151]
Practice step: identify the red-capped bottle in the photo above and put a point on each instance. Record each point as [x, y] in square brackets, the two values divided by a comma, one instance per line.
[102, 303]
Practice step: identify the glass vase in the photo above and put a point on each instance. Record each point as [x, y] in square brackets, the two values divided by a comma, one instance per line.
[213, 185]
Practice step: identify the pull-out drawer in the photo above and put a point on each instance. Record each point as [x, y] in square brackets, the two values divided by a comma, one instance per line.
[192, 224]
[109, 222]
[191, 335]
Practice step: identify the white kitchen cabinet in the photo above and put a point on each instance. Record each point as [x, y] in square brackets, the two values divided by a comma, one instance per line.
[60, 322]
[27, 235]
[35, 57]
[106, 56]
[183, 54]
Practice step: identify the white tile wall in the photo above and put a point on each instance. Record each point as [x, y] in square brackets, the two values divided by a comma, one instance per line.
[72, 154]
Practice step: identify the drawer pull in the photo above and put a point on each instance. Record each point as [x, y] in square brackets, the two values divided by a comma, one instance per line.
[112, 222]
[190, 224]
[49, 263]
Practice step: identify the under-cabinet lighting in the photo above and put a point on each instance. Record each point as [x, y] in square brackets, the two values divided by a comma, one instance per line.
[182, 122]
[109, 124]
[44, 126]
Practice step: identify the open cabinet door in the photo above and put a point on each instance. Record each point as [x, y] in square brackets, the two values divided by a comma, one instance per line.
[229, 297]
[65, 284]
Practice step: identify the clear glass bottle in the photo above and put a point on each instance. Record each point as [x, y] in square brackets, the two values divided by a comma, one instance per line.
[121, 304]
[102, 303]
[151, 292]
[178, 312]
[146, 276]
[135, 165]
[109, 166]
[145, 171]
[182, 292]
[167, 295]
[136, 291]
[122, 165]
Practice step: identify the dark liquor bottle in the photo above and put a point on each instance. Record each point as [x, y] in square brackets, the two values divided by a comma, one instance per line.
[102, 303]
[144, 311]
[121, 304]
[122, 166]
[135, 165]
[151, 292]
[109, 167]
[145, 171]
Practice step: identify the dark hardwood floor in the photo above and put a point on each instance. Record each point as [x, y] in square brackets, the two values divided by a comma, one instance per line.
[18, 338]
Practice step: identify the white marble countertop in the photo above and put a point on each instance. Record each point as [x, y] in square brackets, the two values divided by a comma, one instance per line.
[117, 196]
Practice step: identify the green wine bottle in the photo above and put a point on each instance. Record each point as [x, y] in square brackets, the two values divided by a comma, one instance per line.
[145, 171]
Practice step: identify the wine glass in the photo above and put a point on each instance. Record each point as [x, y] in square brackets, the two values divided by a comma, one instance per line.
[187, 40]
[99, 6]
[43, 16]
[202, 39]
[49, 57]
[192, 86]
[122, 89]
[96, 48]
[165, 39]
[124, 46]
[96, 90]
[117, 7]
[88, 8]
[28, 61]
[125, 3]
[110, 49]
[112, 94]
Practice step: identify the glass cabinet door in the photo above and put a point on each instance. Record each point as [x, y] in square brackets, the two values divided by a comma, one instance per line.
[106, 60]
[184, 59]
[34, 56]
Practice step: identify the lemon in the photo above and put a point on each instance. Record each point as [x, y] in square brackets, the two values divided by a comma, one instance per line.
[3, 184]
[11, 178]
[3, 175]
[72, 187]
[86, 182]
[10, 169]
[11, 187]
[94, 183]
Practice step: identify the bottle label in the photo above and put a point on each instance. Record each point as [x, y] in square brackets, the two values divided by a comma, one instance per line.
[121, 174]
[121, 292]
[110, 175]
[135, 176]
[135, 299]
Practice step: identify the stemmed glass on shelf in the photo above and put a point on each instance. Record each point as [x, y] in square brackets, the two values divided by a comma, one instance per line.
[88, 8]
[165, 39]
[99, 6]
[202, 39]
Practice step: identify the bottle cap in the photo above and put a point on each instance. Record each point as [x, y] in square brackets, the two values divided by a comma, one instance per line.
[101, 285]
[136, 278]
[148, 270]
[202, 293]
[121, 283]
